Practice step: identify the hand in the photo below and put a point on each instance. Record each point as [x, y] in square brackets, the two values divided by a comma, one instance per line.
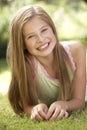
[57, 110]
[39, 112]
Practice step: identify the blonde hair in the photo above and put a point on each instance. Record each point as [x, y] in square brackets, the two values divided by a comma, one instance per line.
[22, 87]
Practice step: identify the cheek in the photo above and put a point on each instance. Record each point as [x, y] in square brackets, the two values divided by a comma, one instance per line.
[51, 34]
[28, 44]
[30, 48]
[53, 37]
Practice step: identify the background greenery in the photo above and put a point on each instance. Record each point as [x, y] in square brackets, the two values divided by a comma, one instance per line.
[70, 18]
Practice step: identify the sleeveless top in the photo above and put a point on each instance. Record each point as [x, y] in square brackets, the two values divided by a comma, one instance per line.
[47, 86]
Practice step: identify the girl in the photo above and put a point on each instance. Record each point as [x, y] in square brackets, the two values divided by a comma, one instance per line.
[48, 76]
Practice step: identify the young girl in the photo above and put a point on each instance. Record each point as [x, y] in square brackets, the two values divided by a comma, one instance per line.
[48, 76]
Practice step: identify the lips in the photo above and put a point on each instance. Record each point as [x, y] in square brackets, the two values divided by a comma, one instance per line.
[42, 47]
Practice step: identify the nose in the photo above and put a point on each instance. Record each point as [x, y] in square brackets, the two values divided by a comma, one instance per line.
[40, 38]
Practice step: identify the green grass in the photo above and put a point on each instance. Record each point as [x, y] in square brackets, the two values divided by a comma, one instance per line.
[10, 121]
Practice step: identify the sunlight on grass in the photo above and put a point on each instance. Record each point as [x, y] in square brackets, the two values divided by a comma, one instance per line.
[4, 82]
[5, 76]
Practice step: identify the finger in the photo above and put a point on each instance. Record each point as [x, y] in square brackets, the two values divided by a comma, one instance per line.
[50, 112]
[32, 116]
[46, 110]
[66, 114]
[61, 114]
[42, 113]
[55, 115]
[35, 116]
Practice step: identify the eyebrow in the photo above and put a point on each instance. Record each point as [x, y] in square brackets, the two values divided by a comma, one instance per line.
[33, 32]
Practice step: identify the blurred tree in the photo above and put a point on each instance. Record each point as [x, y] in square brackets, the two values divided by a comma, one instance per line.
[85, 1]
[66, 1]
[5, 2]
[48, 1]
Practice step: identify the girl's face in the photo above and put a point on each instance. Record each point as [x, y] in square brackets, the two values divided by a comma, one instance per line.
[39, 38]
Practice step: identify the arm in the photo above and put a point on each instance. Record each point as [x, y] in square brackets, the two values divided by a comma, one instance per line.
[59, 109]
[27, 109]
[79, 81]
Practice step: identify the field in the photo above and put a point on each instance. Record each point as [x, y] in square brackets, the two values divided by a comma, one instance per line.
[10, 121]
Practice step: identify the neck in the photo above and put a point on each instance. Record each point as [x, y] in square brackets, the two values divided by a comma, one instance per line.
[49, 65]
[46, 61]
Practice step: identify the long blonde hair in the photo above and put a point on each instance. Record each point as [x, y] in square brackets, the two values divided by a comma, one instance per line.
[22, 87]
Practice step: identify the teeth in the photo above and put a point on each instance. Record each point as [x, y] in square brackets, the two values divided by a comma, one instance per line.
[43, 46]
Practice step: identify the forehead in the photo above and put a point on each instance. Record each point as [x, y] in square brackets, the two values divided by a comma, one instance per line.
[36, 20]
[34, 23]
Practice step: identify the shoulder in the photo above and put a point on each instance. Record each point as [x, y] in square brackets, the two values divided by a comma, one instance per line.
[74, 45]
[78, 52]
[77, 49]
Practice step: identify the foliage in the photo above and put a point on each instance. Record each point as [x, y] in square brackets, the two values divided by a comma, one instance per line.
[3, 31]
[68, 16]
[3, 66]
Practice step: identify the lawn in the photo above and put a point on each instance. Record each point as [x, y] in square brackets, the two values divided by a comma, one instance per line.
[10, 121]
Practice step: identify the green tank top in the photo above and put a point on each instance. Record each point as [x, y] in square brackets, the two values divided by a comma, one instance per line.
[48, 87]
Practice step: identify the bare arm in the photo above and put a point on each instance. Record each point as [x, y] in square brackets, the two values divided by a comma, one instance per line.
[59, 109]
[79, 81]
[28, 109]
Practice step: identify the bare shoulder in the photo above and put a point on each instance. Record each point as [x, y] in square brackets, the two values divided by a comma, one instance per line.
[78, 50]
[75, 45]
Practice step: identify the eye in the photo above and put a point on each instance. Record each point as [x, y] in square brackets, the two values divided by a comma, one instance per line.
[45, 29]
[31, 36]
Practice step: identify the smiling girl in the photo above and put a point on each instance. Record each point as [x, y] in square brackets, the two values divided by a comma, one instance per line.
[48, 76]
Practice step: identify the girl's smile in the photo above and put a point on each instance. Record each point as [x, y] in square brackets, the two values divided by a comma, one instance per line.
[43, 47]
[39, 37]
[49, 77]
